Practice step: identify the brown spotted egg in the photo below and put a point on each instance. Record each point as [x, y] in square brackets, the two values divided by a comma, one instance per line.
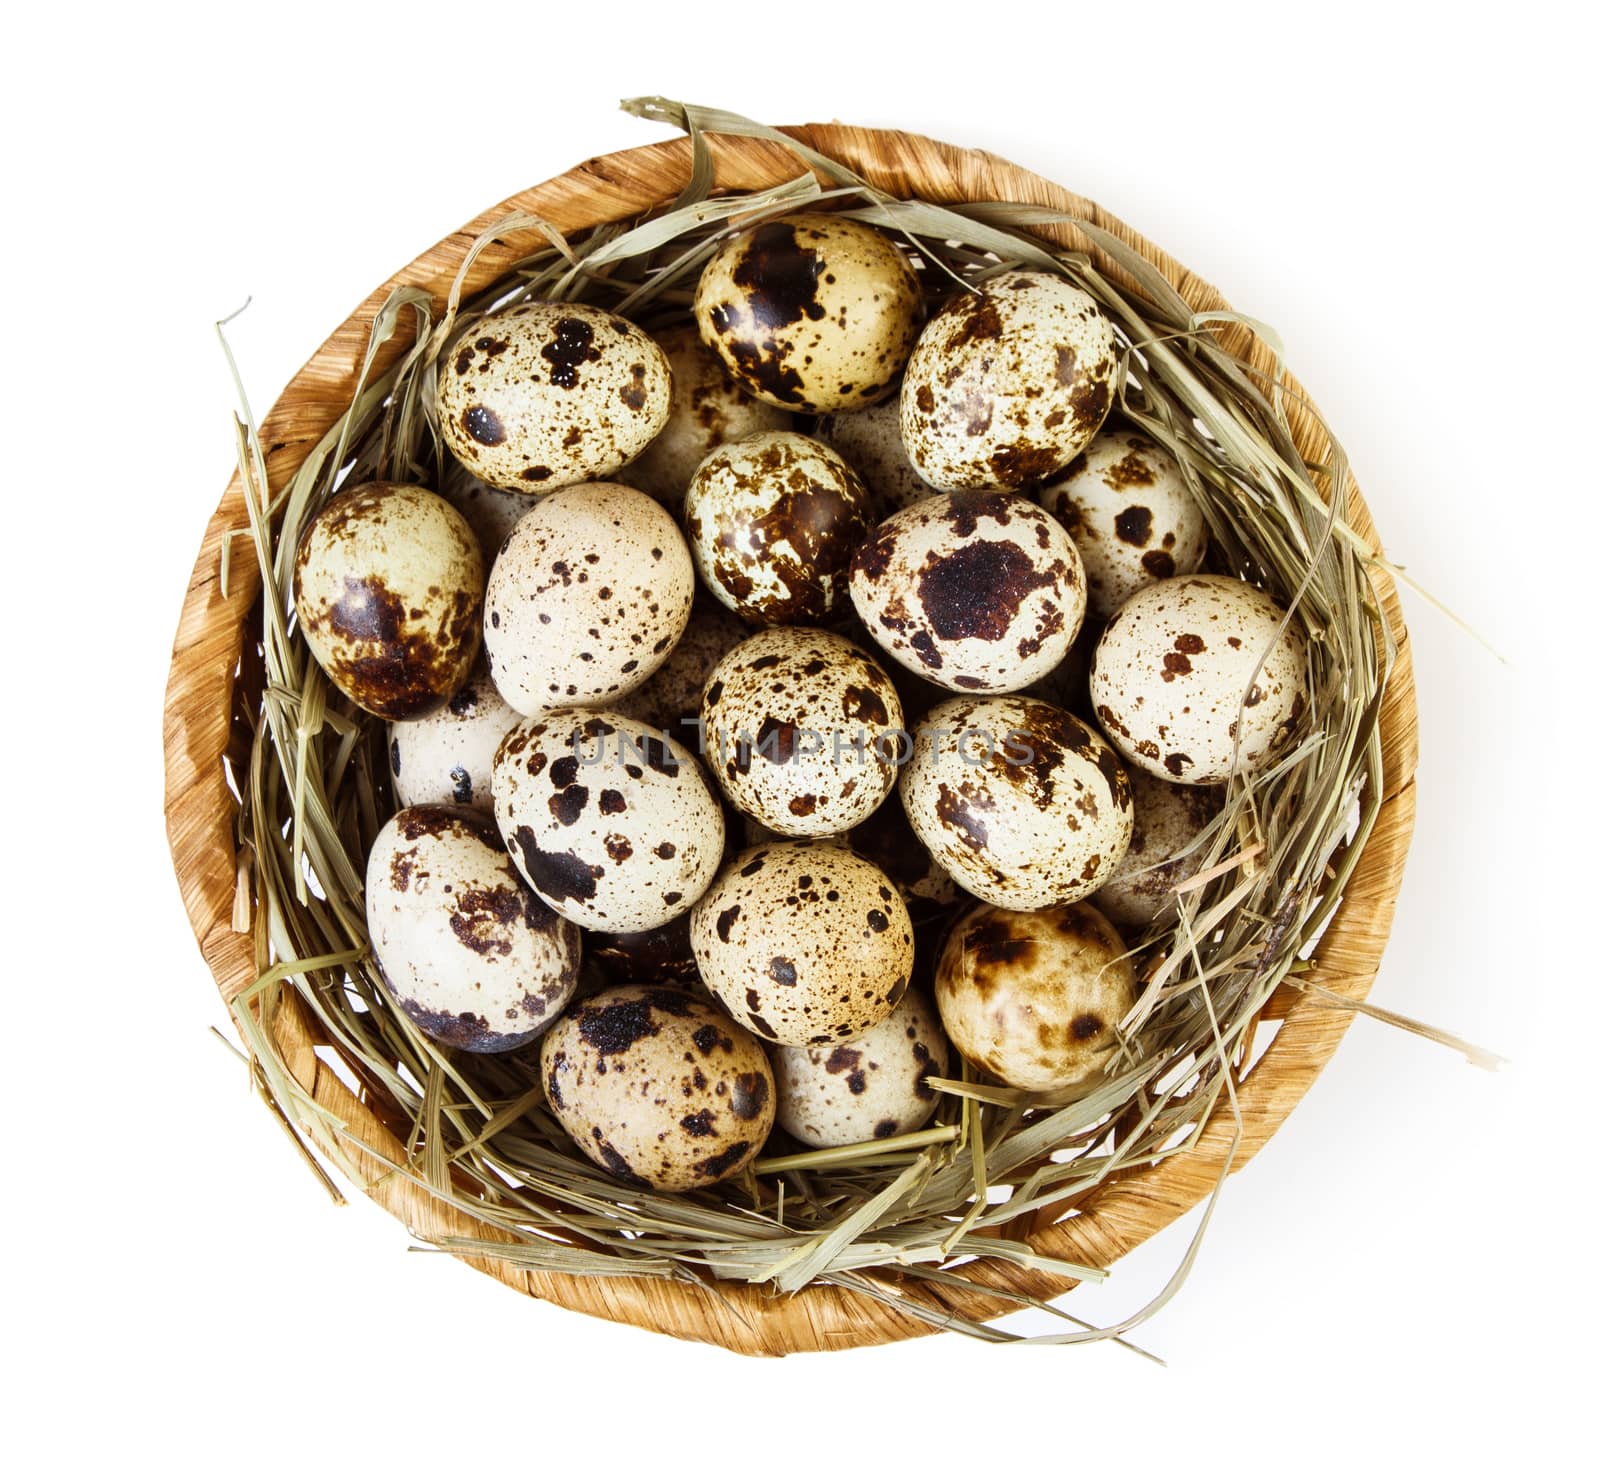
[806, 945]
[447, 756]
[870, 442]
[1033, 998]
[490, 512]
[773, 520]
[802, 731]
[1192, 674]
[659, 1087]
[979, 592]
[609, 820]
[871, 1087]
[1007, 385]
[1021, 802]
[709, 409]
[813, 313]
[473, 958]
[543, 395]
[671, 698]
[1167, 820]
[587, 598]
[388, 590]
[658, 955]
[1130, 514]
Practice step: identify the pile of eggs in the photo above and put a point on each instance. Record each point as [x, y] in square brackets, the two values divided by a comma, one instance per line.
[734, 680]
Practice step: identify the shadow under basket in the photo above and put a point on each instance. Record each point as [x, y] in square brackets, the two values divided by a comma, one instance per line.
[205, 719]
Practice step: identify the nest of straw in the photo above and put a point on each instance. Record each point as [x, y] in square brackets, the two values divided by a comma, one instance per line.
[1262, 882]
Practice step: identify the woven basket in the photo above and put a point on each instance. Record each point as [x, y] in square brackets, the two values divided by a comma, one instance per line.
[200, 716]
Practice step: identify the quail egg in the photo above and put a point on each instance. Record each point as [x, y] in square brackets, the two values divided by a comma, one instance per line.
[609, 820]
[587, 598]
[978, 592]
[388, 590]
[490, 512]
[803, 731]
[1007, 385]
[806, 944]
[709, 409]
[543, 395]
[659, 1087]
[869, 442]
[813, 313]
[871, 1087]
[1022, 803]
[658, 955]
[773, 520]
[671, 698]
[1167, 819]
[1192, 674]
[1130, 514]
[473, 958]
[447, 756]
[1033, 998]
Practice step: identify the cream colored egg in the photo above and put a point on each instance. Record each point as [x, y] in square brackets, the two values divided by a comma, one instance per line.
[1022, 803]
[870, 442]
[609, 820]
[1191, 677]
[473, 958]
[671, 698]
[1167, 820]
[773, 520]
[1034, 998]
[447, 756]
[812, 313]
[1007, 385]
[975, 592]
[587, 598]
[489, 511]
[806, 945]
[540, 395]
[1130, 514]
[871, 1087]
[659, 1087]
[388, 591]
[709, 408]
[802, 731]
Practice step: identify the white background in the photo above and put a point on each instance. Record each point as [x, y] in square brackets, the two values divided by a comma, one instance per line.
[1402, 1281]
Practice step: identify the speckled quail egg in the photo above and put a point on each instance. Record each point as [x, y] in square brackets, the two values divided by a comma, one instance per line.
[447, 756]
[802, 730]
[1007, 385]
[587, 598]
[709, 408]
[806, 945]
[973, 591]
[813, 313]
[671, 698]
[658, 955]
[543, 395]
[1167, 818]
[869, 441]
[1033, 998]
[388, 589]
[610, 820]
[773, 520]
[1175, 674]
[889, 842]
[1021, 802]
[871, 1087]
[659, 1087]
[472, 957]
[490, 512]
[1124, 502]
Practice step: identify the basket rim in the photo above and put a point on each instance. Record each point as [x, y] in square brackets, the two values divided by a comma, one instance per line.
[199, 809]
